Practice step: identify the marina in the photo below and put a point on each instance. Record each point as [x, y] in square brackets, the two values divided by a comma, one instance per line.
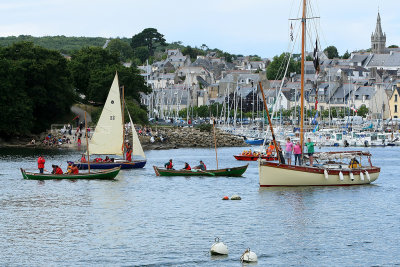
[142, 219]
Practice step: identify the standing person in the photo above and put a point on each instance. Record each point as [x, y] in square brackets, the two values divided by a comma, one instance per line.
[79, 142]
[288, 151]
[297, 153]
[310, 150]
[279, 148]
[128, 151]
[41, 161]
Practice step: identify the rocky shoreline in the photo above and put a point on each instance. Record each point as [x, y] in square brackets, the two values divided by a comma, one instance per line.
[164, 138]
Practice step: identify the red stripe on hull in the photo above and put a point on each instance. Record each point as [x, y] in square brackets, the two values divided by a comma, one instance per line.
[309, 185]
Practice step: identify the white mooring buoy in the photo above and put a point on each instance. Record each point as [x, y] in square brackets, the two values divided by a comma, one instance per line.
[351, 176]
[218, 248]
[248, 256]
[236, 197]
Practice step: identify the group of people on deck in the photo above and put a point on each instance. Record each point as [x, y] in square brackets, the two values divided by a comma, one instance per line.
[169, 166]
[291, 148]
[250, 153]
[71, 169]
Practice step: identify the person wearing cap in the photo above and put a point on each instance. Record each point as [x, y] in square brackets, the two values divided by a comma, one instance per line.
[41, 161]
[169, 165]
[201, 166]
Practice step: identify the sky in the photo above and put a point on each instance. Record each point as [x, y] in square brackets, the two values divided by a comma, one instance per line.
[247, 27]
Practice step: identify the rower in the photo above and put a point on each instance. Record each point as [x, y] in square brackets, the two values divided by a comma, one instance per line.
[187, 166]
[169, 165]
[201, 166]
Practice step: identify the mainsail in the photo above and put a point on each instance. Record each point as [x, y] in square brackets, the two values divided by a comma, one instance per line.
[137, 149]
[108, 135]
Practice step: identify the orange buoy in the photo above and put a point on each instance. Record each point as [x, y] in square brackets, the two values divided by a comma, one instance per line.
[225, 198]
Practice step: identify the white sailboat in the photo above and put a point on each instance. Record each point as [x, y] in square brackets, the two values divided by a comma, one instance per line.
[108, 137]
[330, 170]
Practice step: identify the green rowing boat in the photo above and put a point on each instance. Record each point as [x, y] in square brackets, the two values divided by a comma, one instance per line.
[230, 172]
[99, 175]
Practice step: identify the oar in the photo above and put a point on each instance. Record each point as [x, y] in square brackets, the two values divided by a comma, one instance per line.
[210, 173]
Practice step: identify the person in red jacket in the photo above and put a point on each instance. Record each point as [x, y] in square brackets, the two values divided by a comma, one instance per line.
[169, 165]
[41, 161]
[128, 151]
[74, 169]
[187, 166]
[56, 170]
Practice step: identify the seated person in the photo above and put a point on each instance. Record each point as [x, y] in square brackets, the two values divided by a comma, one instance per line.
[74, 169]
[83, 159]
[107, 159]
[169, 165]
[56, 169]
[187, 166]
[69, 168]
[201, 166]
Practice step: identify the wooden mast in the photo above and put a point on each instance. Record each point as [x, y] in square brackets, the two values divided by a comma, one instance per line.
[87, 144]
[303, 28]
[270, 123]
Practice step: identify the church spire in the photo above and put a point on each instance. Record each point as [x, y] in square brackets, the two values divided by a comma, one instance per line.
[378, 38]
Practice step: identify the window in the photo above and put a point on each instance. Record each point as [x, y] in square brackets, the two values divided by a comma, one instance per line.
[395, 108]
[395, 98]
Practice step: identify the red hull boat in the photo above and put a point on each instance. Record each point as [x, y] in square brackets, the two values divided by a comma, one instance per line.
[254, 158]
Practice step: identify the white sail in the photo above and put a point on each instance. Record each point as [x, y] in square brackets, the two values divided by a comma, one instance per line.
[137, 149]
[108, 135]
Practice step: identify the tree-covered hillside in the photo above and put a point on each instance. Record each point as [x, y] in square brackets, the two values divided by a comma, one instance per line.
[64, 44]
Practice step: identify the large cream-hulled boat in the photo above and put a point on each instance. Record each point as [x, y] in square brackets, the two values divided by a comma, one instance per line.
[331, 168]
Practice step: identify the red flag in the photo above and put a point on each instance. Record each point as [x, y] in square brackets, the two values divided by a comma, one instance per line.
[316, 102]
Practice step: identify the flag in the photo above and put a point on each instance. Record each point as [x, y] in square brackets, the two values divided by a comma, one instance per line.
[316, 128]
[353, 109]
[316, 58]
[291, 32]
[316, 101]
[314, 121]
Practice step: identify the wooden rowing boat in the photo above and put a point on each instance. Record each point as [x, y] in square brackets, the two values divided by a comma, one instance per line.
[230, 172]
[100, 175]
[254, 158]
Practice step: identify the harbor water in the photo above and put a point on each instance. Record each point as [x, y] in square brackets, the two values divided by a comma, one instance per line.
[143, 220]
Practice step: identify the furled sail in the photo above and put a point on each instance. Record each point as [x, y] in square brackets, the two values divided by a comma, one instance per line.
[108, 135]
[137, 149]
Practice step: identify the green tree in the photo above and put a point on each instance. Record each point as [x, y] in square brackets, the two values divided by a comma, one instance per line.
[276, 68]
[393, 46]
[149, 37]
[93, 71]
[331, 52]
[122, 48]
[35, 88]
[142, 53]
[346, 55]
[362, 111]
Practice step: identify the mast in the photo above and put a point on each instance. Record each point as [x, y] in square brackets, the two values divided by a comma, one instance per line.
[270, 123]
[303, 33]
[215, 143]
[123, 122]
[87, 144]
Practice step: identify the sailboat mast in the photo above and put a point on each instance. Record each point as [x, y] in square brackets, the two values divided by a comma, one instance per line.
[123, 121]
[87, 144]
[303, 33]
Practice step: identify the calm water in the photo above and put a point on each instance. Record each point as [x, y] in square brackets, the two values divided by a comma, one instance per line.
[144, 220]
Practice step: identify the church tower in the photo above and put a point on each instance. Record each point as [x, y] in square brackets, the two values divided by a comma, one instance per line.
[378, 38]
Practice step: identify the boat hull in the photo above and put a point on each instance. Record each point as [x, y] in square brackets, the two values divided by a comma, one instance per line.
[102, 175]
[254, 158]
[229, 172]
[275, 174]
[254, 142]
[135, 164]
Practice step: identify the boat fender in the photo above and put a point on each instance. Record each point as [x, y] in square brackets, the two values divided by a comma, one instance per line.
[219, 248]
[362, 176]
[341, 176]
[351, 176]
[326, 174]
[367, 174]
[248, 256]
[236, 197]
[225, 198]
